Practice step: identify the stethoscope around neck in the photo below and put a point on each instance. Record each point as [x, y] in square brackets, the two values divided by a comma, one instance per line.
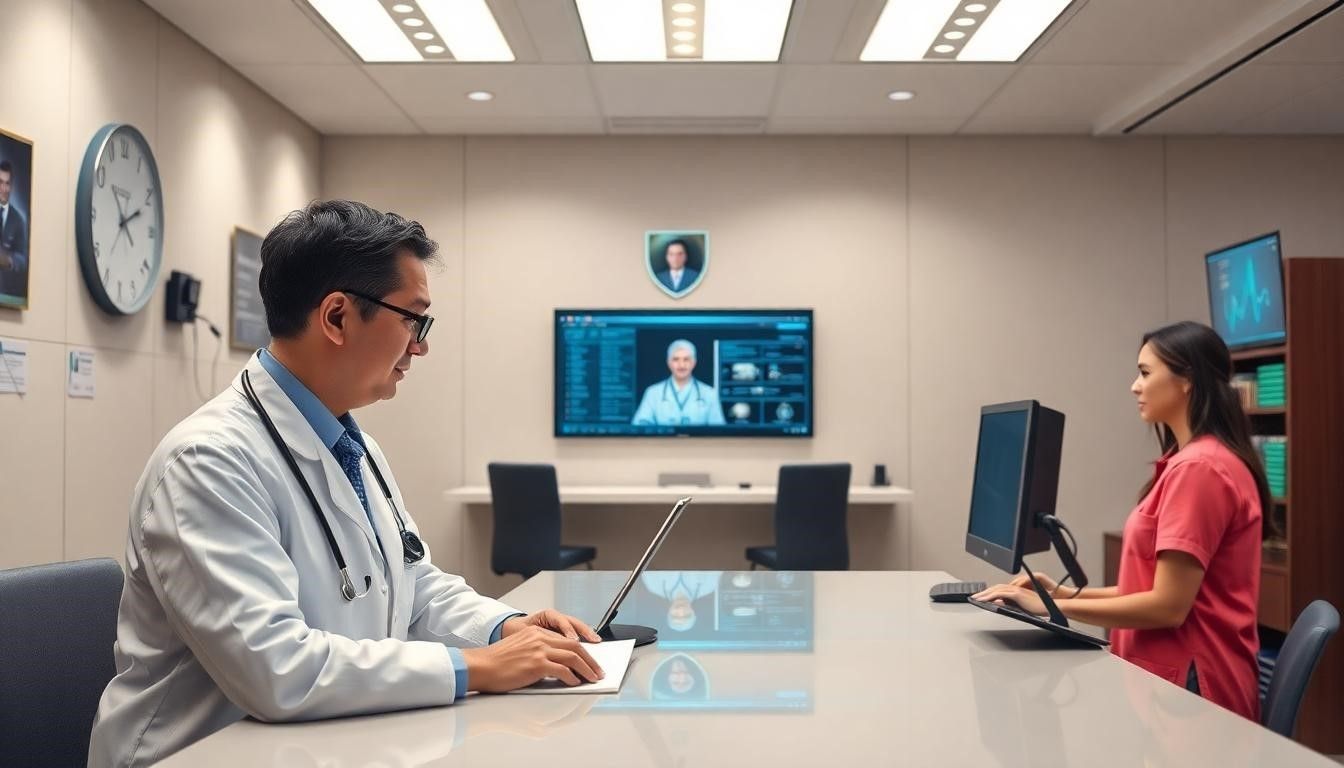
[668, 386]
[412, 549]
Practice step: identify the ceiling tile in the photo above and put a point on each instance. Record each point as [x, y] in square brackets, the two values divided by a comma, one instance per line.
[859, 91]
[1320, 43]
[1320, 110]
[1063, 98]
[685, 89]
[1247, 91]
[254, 31]
[523, 91]
[335, 98]
[1147, 31]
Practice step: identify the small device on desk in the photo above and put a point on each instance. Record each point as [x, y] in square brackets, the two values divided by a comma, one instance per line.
[1013, 504]
[640, 634]
[955, 591]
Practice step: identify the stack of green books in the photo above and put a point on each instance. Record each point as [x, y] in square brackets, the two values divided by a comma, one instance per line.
[1269, 386]
[1276, 465]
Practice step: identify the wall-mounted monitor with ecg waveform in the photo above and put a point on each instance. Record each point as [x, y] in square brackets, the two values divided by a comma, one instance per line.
[1246, 293]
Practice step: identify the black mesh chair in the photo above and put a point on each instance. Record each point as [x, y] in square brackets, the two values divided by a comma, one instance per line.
[526, 498]
[810, 528]
[57, 626]
[1297, 661]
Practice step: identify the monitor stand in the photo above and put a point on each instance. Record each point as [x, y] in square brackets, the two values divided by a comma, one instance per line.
[642, 635]
[1057, 623]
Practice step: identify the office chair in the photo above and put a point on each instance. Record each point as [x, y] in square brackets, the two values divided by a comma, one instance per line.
[1297, 661]
[810, 528]
[57, 627]
[526, 500]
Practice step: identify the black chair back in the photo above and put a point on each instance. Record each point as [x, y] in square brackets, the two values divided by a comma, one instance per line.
[58, 624]
[526, 500]
[1297, 661]
[811, 505]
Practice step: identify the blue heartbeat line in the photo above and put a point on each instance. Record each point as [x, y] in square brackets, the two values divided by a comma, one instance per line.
[1254, 299]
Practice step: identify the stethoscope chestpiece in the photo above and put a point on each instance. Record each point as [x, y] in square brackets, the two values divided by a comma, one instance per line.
[348, 586]
[412, 548]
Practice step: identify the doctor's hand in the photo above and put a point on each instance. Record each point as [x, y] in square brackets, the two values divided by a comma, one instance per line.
[553, 620]
[526, 656]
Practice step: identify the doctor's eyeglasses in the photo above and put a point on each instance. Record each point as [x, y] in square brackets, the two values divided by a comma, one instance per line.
[422, 322]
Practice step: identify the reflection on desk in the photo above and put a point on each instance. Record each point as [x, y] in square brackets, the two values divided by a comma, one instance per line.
[707, 682]
[701, 610]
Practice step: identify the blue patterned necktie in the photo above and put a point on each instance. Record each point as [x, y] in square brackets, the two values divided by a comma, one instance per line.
[349, 452]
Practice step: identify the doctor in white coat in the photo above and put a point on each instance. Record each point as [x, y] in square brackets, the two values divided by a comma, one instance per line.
[273, 568]
[680, 399]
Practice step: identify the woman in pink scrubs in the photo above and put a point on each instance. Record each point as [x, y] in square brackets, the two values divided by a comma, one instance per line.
[1185, 607]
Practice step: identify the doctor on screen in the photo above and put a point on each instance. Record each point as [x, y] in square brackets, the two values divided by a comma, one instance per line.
[273, 569]
[680, 399]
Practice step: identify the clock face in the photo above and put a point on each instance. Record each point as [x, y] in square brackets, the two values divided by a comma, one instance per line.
[119, 220]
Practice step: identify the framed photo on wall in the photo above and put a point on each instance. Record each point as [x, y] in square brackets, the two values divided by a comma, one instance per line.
[247, 316]
[676, 259]
[16, 198]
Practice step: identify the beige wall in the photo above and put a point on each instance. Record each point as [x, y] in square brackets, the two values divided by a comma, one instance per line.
[228, 156]
[945, 273]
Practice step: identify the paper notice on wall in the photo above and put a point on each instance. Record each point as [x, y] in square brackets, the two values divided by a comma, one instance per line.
[80, 381]
[13, 366]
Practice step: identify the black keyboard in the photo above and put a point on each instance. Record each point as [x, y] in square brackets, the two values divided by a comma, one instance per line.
[955, 591]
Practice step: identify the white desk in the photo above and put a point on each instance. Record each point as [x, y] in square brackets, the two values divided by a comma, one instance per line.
[653, 494]
[884, 678]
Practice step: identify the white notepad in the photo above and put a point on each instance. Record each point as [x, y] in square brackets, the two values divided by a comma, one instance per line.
[613, 657]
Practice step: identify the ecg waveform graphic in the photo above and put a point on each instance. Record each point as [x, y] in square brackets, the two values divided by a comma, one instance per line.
[1251, 298]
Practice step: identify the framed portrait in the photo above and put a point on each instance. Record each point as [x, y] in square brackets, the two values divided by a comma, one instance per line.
[16, 198]
[247, 316]
[676, 260]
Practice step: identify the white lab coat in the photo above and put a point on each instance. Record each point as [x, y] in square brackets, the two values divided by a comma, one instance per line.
[232, 605]
[699, 406]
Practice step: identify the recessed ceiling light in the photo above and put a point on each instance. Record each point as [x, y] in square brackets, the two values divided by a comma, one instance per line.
[906, 28]
[367, 28]
[469, 29]
[480, 95]
[683, 7]
[683, 48]
[684, 35]
[403, 8]
[435, 49]
[413, 22]
[901, 95]
[944, 48]
[423, 35]
[637, 30]
[955, 34]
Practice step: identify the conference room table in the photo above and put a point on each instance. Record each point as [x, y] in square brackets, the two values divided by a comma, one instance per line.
[795, 669]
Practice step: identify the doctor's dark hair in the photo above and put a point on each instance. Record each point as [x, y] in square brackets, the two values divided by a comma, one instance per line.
[1197, 354]
[7, 167]
[330, 246]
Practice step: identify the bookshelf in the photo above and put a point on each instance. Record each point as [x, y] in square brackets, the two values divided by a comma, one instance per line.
[1303, 558]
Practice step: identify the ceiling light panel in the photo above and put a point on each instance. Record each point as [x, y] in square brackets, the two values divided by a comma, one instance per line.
[681, 30]
[957, 30]
[425, 30]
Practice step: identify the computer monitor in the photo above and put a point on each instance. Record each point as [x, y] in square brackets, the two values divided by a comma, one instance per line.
[1246, 293]
[1016, 481]
[685, 373]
